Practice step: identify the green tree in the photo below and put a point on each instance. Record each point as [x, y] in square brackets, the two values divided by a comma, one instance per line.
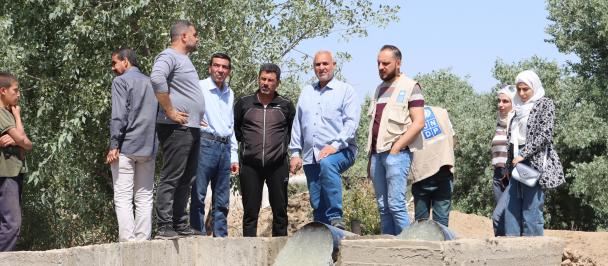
[60, 51]
[581, 28]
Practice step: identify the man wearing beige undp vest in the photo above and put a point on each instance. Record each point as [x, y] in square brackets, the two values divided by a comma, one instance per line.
[433, 167]
[397, 117]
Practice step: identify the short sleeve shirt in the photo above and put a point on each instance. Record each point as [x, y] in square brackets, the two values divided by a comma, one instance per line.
[385, 93]
[10, 164]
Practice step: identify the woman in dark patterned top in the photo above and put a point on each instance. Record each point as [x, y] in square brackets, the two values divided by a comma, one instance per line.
[530, 140]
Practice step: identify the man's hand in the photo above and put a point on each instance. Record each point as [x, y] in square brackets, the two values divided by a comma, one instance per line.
[234, 168]
[7, 140]
[327, 151]
[112, 156]
[517, 159]
[295, 164]
[394, 150]
[16, 110]
[177, 117]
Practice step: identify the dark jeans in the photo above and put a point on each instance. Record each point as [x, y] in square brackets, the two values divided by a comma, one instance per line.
[435, 190]
[180, 145]
[10, 212]
[498, 184]
[498, 187]
[214, 168]
[252, 183]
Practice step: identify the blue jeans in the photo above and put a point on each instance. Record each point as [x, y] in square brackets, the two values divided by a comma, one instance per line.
[325, 185]
[389, 175]
[523, 214]
[214, 167]
[435, 191]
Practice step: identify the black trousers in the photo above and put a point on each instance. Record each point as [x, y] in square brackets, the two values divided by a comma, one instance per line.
[180, 146]
[252, 183]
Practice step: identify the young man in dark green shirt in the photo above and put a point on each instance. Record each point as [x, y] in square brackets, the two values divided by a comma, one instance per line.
[13, 143]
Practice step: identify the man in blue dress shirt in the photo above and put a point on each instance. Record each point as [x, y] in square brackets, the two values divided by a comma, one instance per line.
[323, 138]
[218, 150]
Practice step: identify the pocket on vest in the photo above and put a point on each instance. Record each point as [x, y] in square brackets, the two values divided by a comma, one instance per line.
[397, 120]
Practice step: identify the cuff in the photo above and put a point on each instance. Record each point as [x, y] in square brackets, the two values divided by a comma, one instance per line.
[336, 145]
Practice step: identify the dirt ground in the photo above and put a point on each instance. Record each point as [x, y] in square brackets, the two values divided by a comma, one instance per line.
[582, 248]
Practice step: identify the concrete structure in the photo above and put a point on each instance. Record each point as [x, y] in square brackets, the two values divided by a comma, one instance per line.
[183, 251]
[495, 251]
[378, 250]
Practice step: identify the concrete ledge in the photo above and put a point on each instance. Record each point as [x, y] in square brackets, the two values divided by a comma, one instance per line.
[183, 251]
[494, 251]
[375, 250]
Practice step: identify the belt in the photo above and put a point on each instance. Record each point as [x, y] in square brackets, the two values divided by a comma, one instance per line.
[210, 136]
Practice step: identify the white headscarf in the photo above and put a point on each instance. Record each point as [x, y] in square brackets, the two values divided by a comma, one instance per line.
[522, 109]
[509, 91]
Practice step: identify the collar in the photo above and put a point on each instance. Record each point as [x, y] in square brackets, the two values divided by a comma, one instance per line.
[212, 86]
[132, 69]
[330, 85]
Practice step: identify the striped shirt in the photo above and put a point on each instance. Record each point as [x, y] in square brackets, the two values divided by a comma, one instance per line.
[499, 146]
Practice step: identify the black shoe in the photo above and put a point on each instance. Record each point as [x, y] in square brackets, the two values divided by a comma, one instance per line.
[166, 232]
[338, 223]
[187, 231]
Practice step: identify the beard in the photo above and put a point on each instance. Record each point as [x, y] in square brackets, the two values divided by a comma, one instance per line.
[389, 76]
[191, 48]
[265, 90]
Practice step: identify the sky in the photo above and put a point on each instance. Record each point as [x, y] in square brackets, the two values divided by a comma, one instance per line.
[466, 36]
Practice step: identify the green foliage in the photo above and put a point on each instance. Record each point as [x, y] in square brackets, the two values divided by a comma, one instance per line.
[581, 27]
[60, 50]
[360, 204]
[359, 169]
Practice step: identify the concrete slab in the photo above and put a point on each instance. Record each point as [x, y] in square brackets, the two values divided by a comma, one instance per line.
[183, 251]
[494, 251]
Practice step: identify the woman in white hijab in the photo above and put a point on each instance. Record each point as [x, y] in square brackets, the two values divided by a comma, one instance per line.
[530, 141]
[499, 150]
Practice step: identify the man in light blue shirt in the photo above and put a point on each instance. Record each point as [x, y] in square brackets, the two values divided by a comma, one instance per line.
[323, 138]
[218, 151]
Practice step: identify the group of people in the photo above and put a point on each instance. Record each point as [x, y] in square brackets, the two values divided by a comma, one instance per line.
[524, 135]
[204, 136]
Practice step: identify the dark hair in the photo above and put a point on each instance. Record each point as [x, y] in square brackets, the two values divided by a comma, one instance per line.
[222, 56]
[6, 79]
[127, 53]
[272, 68]
[179, 27]
[394, 49]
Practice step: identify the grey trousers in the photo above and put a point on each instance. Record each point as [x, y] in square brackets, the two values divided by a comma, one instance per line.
[10, 212]
[133, 180]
